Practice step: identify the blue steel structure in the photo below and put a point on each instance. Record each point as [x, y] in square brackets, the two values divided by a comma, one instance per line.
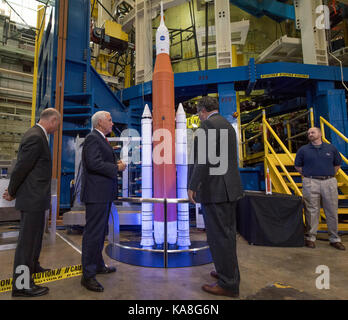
[85, 92]
[276, 10]
[318, 86]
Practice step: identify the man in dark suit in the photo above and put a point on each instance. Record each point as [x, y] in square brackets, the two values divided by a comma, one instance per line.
[30, 185]
[98, 191]
[217, 186]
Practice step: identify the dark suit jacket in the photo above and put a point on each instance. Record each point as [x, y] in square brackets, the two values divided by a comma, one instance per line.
[216, 188]
[30, 181]
[99, 178]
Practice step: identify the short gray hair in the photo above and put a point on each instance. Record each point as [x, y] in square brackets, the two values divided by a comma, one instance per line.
[208, 103]
[48, 113]
[98, 116]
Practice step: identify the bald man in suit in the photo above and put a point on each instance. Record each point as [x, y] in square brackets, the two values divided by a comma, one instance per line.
[30, 185]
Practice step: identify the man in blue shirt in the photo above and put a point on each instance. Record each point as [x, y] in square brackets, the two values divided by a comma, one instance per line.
[318, 163]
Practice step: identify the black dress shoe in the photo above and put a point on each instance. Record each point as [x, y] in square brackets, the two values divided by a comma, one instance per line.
[40, 269]
[92, 284]
[106, 270]
[34, 291]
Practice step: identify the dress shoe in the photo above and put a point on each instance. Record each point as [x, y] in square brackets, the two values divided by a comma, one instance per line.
[106, 270]
[33, 291]
[310, 244]
[40, 269]
[92, 284]
[218, 291]
[338, 245]
[214, 274]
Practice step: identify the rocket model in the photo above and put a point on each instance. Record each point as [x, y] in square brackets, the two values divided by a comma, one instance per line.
[164, 136]
[146, 181]
[181, 169]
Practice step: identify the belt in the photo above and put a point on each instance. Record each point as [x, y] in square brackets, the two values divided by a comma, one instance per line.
[319, 177]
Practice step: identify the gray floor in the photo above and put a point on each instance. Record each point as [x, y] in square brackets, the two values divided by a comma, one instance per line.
[260, 268]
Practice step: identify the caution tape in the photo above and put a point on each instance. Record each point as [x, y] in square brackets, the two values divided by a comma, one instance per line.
[193, 122]
[48, 276]
[290, 75]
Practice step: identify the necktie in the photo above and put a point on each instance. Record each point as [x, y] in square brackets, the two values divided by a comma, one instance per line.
[107, 140]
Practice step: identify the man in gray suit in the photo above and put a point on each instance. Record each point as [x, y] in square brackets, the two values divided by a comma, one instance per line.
[30, 185]
[217, 186]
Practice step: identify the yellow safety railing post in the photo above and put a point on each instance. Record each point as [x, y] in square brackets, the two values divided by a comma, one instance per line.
[240, 149]
[311, 116]
[244, 144]
[265, 140]
[40, 22]
[288, 129]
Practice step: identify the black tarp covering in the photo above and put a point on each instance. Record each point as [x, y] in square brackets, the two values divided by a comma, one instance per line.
[271, 220]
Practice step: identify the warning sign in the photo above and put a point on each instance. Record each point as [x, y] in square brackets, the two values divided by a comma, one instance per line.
[48, 276]
[290, 75]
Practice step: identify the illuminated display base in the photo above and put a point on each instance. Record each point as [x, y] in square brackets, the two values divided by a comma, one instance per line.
[128, 252]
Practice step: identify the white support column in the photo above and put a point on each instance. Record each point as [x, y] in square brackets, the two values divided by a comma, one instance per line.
[223, 34]
[309, 14]
[143, 41]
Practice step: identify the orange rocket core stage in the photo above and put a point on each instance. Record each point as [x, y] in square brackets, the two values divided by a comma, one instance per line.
[163, 115]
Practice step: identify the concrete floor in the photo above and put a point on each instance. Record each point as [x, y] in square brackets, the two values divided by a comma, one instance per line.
[260, 268]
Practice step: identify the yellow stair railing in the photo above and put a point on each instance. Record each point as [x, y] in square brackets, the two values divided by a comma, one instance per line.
[272, 160]
[289, 122]
[249, 158]
[341, 176]
[282, 178]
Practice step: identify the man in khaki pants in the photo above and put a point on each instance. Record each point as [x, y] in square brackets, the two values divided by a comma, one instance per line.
[318, 163]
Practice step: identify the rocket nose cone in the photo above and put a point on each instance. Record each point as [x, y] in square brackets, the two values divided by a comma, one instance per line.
[180, 110]
[147, 112]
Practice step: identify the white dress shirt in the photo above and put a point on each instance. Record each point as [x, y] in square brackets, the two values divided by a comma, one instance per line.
[101, 133]
[44, 130]
[212, 114]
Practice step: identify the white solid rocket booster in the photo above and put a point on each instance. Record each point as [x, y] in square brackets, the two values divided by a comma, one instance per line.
[181, 169]
[146, 181]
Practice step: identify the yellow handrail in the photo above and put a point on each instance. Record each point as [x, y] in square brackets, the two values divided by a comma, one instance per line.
[288, 129]
[268, 146]
[292, 182]
[340, 134]
[322, 120]
[266, 124]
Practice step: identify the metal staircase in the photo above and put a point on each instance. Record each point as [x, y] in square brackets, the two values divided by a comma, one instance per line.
[285, 179]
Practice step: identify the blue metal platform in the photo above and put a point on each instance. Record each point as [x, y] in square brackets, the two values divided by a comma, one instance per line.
[85, 92]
